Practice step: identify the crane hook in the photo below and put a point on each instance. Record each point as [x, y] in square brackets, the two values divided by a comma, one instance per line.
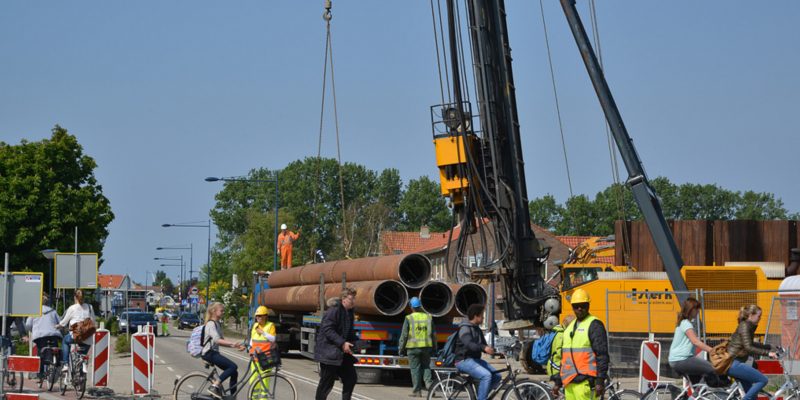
[327, 14]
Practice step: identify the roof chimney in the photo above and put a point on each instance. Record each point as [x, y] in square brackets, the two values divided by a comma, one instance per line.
[424, 232]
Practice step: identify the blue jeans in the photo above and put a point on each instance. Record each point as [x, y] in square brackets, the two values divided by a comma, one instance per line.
[481, 370]
[752, 380]
[229, 369]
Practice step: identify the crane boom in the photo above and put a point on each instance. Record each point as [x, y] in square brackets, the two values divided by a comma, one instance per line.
[643, 192]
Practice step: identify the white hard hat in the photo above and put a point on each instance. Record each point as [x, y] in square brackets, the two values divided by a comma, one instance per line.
[283, 226]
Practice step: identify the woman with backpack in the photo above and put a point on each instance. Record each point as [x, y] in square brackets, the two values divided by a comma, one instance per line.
[213, 339]
[742, 346]
[682, 351]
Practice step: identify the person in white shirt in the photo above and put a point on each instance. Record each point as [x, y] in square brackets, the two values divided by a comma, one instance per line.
[44, 331]
[77, 312]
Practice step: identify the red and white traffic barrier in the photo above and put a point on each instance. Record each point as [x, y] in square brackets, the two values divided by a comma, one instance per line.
[142, 363]
[23, 364]
[649, 365]
[22, 396]
[101, 353]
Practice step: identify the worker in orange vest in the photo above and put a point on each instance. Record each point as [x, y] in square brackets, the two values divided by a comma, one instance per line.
[285, 241]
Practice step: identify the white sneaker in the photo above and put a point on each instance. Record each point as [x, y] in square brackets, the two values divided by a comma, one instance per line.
[65, 368]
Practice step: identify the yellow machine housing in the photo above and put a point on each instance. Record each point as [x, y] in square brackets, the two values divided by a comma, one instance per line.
[451, 158]
[628, 313]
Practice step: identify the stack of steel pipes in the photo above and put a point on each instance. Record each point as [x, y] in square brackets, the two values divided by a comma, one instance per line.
[383, 287]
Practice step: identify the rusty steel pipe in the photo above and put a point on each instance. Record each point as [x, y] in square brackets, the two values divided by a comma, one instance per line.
[412, 270]
[385, 297]
[466, 295]
[436, 298]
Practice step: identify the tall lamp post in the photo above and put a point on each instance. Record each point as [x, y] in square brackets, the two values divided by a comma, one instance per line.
[208, 262]
[50, 254]
[248, 180]
[174, 265]
[191, 257]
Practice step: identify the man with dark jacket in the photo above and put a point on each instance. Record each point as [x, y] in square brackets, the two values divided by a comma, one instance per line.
[334, 347]
[584, 353]
[469, 348]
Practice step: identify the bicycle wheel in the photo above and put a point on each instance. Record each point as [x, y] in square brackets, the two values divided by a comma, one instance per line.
[62, 382]
[722, 394]
[273, 387]
[191, 385]
[627, 394]
[52, 376]
[528, 390]
[451, 389]
[661, 392]
[79, 381]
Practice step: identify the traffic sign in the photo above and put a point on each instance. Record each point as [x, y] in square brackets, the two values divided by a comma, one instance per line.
[184, 302]
[26, 294]
[76, 271]
[194, 290]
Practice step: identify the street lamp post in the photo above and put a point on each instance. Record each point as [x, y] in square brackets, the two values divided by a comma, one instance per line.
[174, 265]
[50, 254]
[191, 258]
[208, 262]
[275, 181]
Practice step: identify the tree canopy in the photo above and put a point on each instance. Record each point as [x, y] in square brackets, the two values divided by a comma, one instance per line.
[582, 216]
[49, 188]
[340, 218]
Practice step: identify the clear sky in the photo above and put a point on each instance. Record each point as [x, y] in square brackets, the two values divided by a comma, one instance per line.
[163, 94]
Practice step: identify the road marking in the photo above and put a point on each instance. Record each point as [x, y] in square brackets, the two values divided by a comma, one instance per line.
[300, 378]
[162, 361]
[170, 369]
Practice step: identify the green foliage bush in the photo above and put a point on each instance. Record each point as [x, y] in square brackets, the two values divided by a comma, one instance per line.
[122, 345]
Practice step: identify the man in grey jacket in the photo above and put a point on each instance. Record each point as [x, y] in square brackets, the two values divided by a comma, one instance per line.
[43, 331]
[334, 347]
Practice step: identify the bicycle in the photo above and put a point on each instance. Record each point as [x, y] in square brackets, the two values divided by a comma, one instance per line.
[51, 369]
[789, 390]
[687, 391]
[9, 378]
[271, 384]
[76, 373]
[456, 385]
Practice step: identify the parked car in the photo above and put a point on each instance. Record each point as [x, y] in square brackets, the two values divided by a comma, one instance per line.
[135, 320]
[172, 314]
[188, 321]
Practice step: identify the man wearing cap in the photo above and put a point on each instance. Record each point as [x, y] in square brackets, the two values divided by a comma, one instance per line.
[262, 339]
[285, 242]
[584, 354]
[418, 339]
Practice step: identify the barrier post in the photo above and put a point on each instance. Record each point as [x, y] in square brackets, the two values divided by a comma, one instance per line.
[649, 365]
[101, 353]
[141, 365]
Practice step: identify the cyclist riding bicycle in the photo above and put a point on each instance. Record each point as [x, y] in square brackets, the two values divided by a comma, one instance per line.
[682, 357]
[742, 347]
[76, 313]
[44, 331]
[5, 342]
[470, 345]
[213, 339]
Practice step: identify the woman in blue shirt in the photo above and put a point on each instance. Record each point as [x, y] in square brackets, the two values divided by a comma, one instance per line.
[682, 351]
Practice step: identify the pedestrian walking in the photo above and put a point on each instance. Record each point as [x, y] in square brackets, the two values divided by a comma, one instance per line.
[334, 347]
[584, 353]
[418, 340]
[164, 323]
[286, 241]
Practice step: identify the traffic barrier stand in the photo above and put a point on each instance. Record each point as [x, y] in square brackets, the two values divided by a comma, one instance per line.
[101, 355]
[22, 396]
[23, 364]
[142, 346]
[649, 365]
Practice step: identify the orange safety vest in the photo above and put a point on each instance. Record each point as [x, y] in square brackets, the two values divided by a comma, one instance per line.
[259, 343]
[577, 356]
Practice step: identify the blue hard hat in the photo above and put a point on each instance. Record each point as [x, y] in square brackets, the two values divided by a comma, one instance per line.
[415, 303]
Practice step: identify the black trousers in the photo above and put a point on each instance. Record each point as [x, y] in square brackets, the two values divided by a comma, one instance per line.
[327, 376]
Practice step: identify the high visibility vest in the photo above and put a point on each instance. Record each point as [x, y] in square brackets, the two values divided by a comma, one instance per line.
[554, 363]
[258, 342]
[420, 326]
[576, 352]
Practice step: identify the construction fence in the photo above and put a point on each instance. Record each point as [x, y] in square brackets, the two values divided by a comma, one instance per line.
[632, 317]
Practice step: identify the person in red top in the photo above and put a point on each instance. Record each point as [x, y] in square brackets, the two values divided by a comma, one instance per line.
[285, 242]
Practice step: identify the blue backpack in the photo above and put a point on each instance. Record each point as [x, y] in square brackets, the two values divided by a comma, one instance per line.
[541, 348]
[448, 353]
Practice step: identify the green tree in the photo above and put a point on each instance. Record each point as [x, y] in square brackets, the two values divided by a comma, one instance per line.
[546, 212]
[49, 188]
[760, 206]
[579, 218]
[423, 204]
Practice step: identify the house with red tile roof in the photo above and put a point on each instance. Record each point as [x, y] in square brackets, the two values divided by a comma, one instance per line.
[113, 290]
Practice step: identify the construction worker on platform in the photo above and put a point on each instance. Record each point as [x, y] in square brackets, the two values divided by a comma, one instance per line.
[584, 353]
[262, 340]
[418, 340]
[285, 242]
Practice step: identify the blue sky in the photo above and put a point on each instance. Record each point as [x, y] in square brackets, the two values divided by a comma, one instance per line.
[163, 94]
